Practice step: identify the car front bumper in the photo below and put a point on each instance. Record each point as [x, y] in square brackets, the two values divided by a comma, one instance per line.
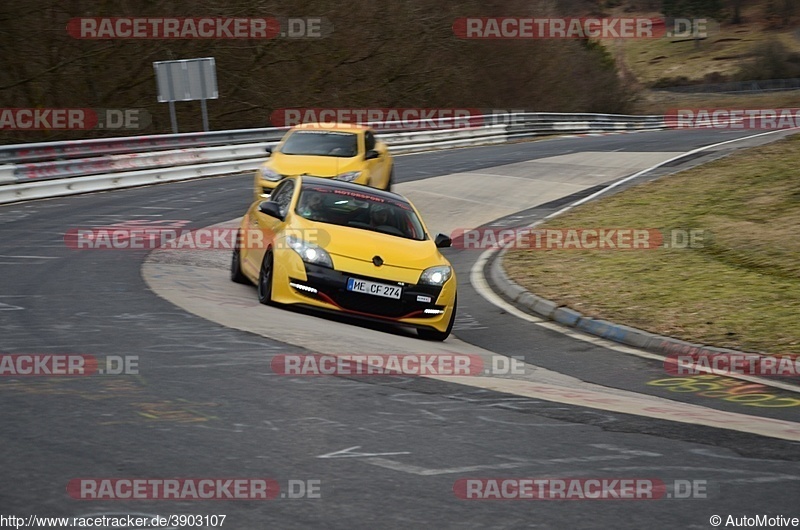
[421, 306]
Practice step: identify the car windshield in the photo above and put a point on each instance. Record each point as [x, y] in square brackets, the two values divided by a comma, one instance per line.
[321, 143]
[361, 210]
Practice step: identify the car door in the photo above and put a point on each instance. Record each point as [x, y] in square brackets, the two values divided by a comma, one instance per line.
[263, 228]
[377, 167]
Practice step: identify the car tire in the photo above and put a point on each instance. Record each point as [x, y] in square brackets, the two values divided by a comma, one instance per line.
[265, 279]
[236, 265]
[435, 335]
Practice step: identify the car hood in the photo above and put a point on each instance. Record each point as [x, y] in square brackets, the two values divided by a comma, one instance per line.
[363, 245]
[318, 166]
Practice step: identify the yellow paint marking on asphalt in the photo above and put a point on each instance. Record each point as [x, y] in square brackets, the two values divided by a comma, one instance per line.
[665, 410]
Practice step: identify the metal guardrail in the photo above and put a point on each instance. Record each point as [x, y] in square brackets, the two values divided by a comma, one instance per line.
[36, 152]
[29, 171]
[127, 162]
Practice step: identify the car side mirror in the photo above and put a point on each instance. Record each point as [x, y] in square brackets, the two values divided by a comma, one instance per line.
[268, 150]
[270, 208]
[442, 241]
[371, 155]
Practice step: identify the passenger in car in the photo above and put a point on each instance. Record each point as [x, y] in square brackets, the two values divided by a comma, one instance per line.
[312, 206]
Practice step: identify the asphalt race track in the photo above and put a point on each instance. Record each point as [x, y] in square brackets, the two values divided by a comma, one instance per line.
[385, 452]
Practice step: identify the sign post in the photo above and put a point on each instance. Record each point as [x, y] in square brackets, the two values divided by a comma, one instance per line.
[186, 80]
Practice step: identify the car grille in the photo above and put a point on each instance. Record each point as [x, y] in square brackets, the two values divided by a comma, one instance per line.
[332, 287]
[376, 305]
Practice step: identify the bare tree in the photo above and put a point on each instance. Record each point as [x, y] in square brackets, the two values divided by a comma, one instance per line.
[389, 54]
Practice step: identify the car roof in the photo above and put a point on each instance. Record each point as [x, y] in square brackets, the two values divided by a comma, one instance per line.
[349, 186]
[332, 126]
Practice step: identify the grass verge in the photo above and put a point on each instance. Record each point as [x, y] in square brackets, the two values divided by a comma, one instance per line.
[740, 289]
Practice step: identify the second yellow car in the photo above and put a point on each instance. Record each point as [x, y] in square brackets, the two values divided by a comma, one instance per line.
[350, 153]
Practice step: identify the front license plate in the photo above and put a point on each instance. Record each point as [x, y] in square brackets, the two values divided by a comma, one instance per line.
[373, 288]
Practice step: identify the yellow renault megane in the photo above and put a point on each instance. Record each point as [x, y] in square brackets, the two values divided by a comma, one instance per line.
[350, 153]
[347, 248]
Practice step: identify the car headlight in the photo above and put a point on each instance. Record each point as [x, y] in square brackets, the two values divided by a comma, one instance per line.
[436, 275]
[269, 174]
[350, 176]
[309, 252]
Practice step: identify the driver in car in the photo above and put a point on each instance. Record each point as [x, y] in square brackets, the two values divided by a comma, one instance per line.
[380, 216]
